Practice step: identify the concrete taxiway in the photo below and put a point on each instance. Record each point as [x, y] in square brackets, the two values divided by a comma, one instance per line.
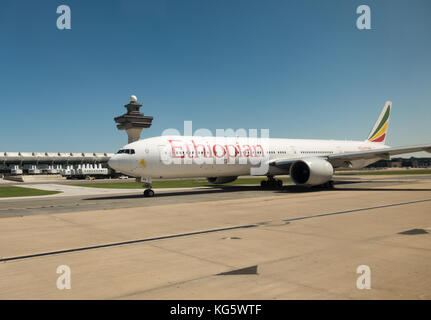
[220, 243]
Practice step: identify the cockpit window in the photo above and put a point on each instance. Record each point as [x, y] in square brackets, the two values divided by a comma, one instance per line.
[128, 151]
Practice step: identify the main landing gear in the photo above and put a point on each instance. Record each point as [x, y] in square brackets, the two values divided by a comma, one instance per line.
[148, 193]
[271, 183]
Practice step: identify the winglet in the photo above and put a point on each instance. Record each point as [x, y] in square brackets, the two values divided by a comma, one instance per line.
[378, 133]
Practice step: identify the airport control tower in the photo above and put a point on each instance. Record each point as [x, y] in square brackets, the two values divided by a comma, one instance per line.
[133, 121]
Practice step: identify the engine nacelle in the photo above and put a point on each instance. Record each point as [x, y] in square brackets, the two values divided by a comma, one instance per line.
[311, 172]
[219, 180]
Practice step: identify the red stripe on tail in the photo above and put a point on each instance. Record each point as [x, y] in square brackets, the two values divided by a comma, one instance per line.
[380, 139]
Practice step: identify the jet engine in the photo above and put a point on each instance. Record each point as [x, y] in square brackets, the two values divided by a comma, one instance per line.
[219, 180]
[311, 172]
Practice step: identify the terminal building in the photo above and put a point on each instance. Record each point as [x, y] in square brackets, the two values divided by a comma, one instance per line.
[403, 163]
[75, 165]
[79, 165]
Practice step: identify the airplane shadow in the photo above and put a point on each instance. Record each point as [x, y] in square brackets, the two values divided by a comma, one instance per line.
[214, 189]
[236, 188]
[380, 189]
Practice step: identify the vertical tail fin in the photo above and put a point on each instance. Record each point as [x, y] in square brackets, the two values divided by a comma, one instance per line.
[378, 133]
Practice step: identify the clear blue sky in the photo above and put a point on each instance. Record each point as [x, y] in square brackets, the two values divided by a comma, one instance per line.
[300, 68]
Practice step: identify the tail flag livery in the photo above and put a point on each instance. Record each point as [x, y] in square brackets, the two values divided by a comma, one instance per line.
[378, 133]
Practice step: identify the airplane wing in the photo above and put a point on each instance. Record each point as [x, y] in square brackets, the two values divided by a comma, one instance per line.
[367, 154]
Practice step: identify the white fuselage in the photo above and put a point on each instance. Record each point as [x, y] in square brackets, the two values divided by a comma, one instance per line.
[193, 156]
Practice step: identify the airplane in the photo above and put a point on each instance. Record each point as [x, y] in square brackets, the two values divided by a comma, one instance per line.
[222, 159]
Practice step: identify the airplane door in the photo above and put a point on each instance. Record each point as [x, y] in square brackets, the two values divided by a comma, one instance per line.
[163, 154]
[292, 152]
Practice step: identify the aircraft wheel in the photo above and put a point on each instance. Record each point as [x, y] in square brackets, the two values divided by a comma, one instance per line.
[149, 193]
[279, 184]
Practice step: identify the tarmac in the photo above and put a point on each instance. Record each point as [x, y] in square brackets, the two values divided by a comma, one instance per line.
[237, 242]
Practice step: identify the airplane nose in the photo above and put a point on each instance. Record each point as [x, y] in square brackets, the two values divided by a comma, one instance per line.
[122, 163]
[113, 162]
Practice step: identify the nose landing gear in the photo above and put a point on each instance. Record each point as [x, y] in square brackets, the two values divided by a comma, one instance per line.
[271, 183]
[148, 193]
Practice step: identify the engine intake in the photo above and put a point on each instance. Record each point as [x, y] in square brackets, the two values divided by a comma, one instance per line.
[311, 172]
[220, 180]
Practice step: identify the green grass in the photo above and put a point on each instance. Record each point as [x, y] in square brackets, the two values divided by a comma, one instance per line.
[23, 192]
[384, 173]
[169, 184]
